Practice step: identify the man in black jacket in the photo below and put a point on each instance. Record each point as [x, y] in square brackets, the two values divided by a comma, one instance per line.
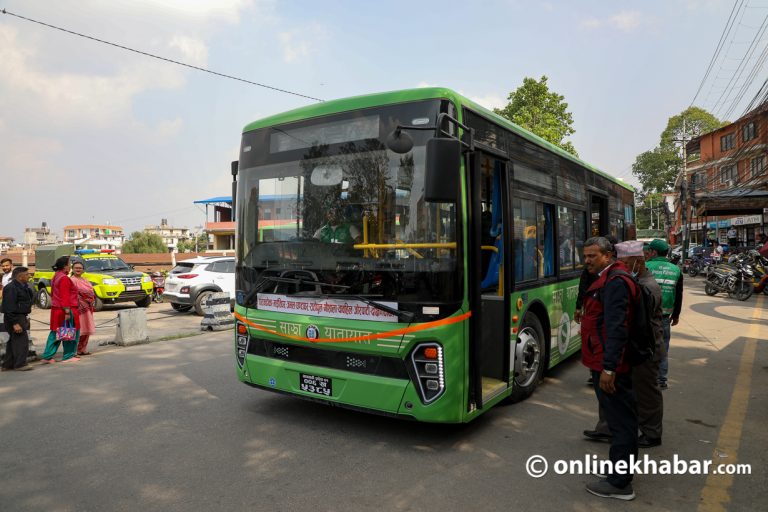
[17, 304]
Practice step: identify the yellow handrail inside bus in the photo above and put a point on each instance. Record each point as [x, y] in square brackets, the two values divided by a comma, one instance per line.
[448, 245]
[489, 248]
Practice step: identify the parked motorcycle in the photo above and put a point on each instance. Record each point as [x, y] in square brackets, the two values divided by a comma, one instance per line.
[699, 264]
[158, 283]
[735, 280]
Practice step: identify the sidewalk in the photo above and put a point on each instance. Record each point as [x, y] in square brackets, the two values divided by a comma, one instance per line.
[163, 323]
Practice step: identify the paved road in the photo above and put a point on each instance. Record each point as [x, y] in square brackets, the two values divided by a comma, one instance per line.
[166, 426]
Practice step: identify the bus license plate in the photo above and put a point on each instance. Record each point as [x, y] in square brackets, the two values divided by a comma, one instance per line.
[132, 288]
[315, 384]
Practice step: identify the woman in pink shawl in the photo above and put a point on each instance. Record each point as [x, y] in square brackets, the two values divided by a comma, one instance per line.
[86, 300]
[63, 312]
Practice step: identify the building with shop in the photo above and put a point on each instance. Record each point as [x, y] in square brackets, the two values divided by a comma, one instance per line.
[103, 235]
[171, 235]
[218, 223]
[727, 181]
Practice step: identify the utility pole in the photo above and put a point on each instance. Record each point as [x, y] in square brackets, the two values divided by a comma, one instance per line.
[684, 220]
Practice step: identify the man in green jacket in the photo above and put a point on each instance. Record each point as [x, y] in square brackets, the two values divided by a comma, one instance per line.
[670, 278]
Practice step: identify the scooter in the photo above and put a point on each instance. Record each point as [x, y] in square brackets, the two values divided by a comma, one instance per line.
[158, 286]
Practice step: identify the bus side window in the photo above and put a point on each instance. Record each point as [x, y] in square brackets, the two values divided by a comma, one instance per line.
[526, 257]
[546, 240]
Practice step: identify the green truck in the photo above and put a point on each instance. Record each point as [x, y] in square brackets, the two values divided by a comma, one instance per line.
[113, 280]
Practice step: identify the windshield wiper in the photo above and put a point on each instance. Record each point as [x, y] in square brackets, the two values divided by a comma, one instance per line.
[402, 316]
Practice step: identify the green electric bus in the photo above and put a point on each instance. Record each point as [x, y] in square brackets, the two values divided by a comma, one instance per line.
[429, 254]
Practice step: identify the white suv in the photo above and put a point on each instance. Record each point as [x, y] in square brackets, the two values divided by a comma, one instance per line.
[190, 282]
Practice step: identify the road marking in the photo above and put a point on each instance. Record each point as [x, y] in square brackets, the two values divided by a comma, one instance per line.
[717, 489]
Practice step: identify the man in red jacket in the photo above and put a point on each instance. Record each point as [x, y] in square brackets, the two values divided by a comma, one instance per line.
[608, 306]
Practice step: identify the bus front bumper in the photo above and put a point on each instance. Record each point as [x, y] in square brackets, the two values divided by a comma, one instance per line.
[372, 393]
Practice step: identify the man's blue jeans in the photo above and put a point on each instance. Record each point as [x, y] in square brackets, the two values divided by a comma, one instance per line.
[664, 364]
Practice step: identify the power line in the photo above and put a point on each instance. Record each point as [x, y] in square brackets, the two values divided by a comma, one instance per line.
[718, 48]
[146, 54]
[726, 95]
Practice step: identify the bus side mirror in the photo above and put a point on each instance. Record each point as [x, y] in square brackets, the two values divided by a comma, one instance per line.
[441, 182]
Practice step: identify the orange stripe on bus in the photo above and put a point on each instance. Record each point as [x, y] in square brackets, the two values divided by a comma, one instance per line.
[396, 332]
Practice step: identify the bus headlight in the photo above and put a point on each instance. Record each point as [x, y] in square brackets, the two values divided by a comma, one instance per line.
[241, 343]
[428, 371]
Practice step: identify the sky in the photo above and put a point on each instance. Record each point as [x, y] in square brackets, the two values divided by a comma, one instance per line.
[90, 133]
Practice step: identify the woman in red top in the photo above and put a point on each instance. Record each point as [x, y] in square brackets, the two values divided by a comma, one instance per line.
[63, 309]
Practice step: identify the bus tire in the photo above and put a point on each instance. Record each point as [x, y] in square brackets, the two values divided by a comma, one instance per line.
[530, 357]
[43, 299]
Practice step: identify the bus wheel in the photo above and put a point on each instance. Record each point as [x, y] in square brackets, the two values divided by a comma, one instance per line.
[43, 299]
[529, 358]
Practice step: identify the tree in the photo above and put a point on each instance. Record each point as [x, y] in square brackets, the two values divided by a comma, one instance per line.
[541, 111]
[658, 168]
[143, 242]
[697, 122]
[196, 244]
[649, 210]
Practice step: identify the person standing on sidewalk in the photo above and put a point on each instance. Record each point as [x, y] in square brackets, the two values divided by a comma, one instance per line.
[650, 402]
[6, 266]
[17, 305]
[63, 309]
[86, 301]
[585, 281]
[670, 278]
[608, 306]
[645, 376]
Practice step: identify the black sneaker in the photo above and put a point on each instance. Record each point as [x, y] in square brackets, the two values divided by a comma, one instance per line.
[594, 435]
[663, 385]
[648, 442]
[606, 490]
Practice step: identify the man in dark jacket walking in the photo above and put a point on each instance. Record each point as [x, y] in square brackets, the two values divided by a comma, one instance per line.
[608, 306]
[17, 304]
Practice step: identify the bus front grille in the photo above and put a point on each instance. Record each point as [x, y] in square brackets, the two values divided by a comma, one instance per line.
[382, 366]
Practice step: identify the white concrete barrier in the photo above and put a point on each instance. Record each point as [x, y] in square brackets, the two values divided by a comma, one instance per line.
[218, 316]
[131, 327]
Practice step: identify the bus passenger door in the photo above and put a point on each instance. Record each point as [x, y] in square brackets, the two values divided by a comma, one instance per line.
[489, 277]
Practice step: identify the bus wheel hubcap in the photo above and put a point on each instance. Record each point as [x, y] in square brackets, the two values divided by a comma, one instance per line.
[527, 357]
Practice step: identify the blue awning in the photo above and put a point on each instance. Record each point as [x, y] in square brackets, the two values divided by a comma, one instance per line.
[219, 199]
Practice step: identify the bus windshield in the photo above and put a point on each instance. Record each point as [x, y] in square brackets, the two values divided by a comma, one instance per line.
[325, 208]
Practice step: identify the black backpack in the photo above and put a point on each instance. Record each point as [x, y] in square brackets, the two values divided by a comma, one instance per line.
[641, 344]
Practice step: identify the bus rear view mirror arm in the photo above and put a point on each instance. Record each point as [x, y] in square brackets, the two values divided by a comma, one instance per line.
[401, 142]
